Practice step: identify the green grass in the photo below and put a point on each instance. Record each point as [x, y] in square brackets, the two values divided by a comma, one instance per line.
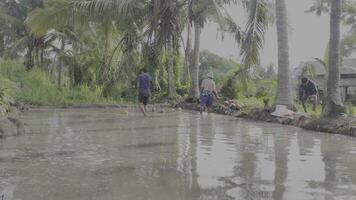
[309, 106]
[251, 102]
[34, 87]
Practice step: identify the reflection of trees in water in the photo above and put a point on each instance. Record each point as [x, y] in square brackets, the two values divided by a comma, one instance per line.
[281, 143]
[340, 164]
[215, 157]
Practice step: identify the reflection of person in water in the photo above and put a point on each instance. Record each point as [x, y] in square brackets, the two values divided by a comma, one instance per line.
[308, 91]
[207, 93]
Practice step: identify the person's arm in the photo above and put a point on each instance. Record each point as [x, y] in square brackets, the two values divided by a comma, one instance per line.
[315, 88]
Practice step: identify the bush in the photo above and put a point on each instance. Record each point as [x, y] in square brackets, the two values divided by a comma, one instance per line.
[5, 101]
[123, 94]
[35, 87]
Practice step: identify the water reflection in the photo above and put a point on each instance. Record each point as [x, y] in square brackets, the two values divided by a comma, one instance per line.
[102, 154]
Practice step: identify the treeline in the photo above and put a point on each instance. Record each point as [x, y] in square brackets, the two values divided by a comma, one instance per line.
[102, 45]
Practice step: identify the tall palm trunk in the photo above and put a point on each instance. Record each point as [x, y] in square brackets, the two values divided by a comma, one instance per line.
[2, 45]
[194, 90]
[171, 79]
[29, 63]
[334, 105]
[154, 52]
[186, 66]
[284, 96]
[60, 64]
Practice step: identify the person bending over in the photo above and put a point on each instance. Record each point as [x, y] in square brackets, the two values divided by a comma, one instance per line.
[308, 91]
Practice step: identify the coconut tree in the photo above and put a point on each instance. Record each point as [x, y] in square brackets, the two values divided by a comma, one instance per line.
[333, 105]
[16, 39]
[251, 40]
[284, 96]
[187, 50]
[202, 11]
[167, 30]
[102, 34]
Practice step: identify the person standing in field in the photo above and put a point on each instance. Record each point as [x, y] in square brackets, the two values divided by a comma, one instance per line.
[207, 93]
[144, 90]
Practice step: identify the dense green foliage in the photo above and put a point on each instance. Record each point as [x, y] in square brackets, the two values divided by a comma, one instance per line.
[35, 87]
[91, 51]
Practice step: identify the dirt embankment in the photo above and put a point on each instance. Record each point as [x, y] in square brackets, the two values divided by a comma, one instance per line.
[341, 125]
[10, 124]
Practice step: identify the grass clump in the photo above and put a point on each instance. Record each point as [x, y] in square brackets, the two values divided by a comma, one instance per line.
[36, 88]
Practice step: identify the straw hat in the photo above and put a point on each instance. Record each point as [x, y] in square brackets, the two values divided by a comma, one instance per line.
[210, 75]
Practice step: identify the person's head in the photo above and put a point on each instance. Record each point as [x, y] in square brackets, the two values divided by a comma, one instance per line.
[144, 70]
[304, 80]
[210, 75]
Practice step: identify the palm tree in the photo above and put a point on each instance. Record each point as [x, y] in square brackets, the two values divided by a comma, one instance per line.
[167, 29]
[284, 96]
[18, 40]
[333, 105]
[202, 11]
[250, 40]
[160, 24]
[194, 89]
[187, 50]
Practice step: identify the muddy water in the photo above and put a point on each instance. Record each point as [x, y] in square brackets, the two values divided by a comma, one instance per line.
[109, 155]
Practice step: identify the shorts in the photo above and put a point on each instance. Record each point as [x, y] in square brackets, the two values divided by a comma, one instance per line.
[143, 98]
[311, 98]
[206, 99]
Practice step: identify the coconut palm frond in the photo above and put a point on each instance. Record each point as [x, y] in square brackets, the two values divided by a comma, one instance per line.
[255, 31]
[19, 44]
[55, 16]
[108, 9]
[8, 19]
[319, 7]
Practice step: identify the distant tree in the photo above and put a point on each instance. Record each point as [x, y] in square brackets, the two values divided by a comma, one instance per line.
[14, 37]
[210, 62]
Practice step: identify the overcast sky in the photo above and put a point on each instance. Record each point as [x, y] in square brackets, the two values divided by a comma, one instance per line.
[308, 36]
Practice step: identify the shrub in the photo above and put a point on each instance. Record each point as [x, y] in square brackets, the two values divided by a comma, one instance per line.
[35, 87]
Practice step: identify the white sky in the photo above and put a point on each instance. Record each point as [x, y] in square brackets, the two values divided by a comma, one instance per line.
[308, 36]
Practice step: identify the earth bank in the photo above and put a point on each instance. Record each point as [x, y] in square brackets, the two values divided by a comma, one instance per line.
[341, 125]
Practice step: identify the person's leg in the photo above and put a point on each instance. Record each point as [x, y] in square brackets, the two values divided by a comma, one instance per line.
[209, 103]
[202, 108]
[142, 108]
[203, 102]
[145, 102]
[315, 101]
[304, 107]
[141, 104]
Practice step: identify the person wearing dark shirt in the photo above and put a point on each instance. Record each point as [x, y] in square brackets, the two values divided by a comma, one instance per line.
[308, 91]
[144, 90]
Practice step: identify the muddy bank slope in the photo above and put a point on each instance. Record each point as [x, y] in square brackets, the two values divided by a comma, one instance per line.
[341, 125]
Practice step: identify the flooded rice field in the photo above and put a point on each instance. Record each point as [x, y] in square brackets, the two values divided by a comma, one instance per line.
[107, 154]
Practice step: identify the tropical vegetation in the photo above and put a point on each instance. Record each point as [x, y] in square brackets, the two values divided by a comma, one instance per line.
[62, 52]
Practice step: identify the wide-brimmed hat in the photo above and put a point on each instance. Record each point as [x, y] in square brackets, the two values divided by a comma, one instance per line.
[210, 75]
